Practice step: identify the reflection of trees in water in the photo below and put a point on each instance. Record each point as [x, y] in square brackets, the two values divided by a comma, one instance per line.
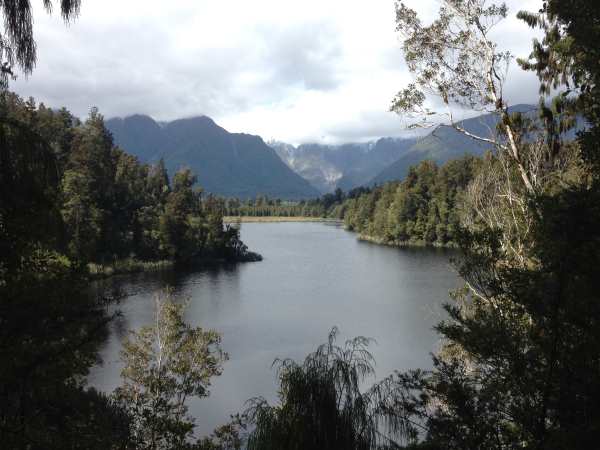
[141, 287]
[120, 327]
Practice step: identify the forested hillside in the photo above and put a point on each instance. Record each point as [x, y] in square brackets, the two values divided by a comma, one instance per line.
[108, 205]
[73, 204]
[445, 143]
[424, 208]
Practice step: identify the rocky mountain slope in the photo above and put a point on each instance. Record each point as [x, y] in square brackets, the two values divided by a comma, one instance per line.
[227, 164]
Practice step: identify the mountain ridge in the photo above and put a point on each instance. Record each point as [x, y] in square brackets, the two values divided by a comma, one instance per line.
[344, 166]
[445, 143]
[227, 164]
[243, 165]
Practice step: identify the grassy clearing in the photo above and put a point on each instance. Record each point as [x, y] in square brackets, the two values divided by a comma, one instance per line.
[129, 265]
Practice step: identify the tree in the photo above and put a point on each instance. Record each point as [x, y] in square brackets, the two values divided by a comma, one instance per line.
[130, 197]
[321, 405]
[179, 234]
[165, 364]
[81, 216]
[17, 45]
[50, 326]
[88, 188]
[158, 181]
[519, 364]
[567, 59]
[455, 60]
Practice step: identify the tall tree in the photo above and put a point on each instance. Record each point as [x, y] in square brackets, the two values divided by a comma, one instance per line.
[17, 44]
[49, 326]
[567, 59]
[88, 189]
[178, 229]
[521, 342]
[164, 365]
[456, 60]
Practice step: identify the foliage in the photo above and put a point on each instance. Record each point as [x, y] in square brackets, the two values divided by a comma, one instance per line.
[456, 60]
[567, 60]
[519, 365]
[111, 206]
[325, 206]
[17, 45]
[321, 405]
[68, 198]
[231, 436]
[424, 208]
[164, 365]
[49, 326]
[449, 56]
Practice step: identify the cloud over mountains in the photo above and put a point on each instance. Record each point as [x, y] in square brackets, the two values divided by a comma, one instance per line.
[287, 70]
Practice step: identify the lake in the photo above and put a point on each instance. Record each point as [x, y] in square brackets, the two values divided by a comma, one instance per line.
[314, 276]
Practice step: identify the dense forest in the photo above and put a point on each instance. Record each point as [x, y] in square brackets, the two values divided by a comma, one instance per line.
[111, 207]
[424, 209]
[73, 204]
[519, 362]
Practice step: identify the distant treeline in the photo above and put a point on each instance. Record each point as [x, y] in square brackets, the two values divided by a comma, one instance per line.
[107, 205]
[264, 206]
[424, 208]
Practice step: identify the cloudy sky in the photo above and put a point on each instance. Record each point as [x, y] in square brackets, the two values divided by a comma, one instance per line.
[296, 71]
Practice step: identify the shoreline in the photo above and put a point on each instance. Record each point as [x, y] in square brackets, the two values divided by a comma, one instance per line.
[266, 219]
[131, 266]
[404, 244]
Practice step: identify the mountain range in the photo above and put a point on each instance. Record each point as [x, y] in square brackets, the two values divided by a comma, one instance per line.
[228, 164]
[445, 143]
[244, 166]
[351, 165]
[346, 166]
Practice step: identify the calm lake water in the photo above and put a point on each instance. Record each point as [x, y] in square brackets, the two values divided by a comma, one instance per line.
[314, 276]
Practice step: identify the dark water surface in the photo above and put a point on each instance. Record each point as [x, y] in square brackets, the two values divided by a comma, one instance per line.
[313, 276]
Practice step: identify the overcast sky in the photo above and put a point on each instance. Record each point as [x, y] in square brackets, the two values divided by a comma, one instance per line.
[296, 71]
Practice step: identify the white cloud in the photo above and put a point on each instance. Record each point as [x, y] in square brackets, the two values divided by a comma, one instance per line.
[295, 71]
